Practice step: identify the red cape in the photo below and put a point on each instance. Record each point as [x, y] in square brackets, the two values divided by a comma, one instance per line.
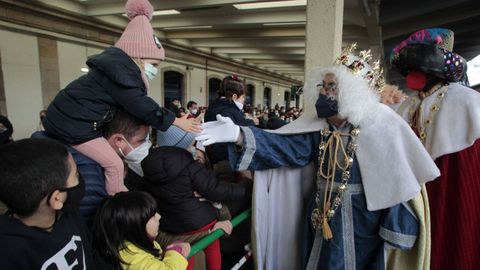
[454, 199]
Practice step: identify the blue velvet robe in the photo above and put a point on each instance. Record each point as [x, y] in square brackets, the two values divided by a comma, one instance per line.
[359, 235]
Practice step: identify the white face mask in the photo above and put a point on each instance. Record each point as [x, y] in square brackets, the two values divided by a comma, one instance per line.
[134, 158]
[193, 150]
[150, 71]
[194, 111]
[239, 105]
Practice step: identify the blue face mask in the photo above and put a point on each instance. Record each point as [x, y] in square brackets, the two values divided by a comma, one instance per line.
[150, 71]
[326, 106]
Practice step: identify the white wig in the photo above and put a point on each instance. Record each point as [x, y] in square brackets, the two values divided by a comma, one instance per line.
[356, 99]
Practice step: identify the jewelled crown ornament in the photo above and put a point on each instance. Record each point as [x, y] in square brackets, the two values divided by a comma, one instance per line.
[362, 66]
[429, 51]
[358, 81]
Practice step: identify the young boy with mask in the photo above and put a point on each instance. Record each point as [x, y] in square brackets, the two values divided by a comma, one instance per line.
[118, 78]
[40, 185]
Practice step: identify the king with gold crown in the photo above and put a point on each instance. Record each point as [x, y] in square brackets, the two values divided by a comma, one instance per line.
[333, 188]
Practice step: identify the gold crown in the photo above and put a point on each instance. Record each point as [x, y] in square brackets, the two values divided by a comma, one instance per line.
[362, 66]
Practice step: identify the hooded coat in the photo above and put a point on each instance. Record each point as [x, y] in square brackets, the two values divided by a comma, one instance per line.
[172, 176]
[80, 110]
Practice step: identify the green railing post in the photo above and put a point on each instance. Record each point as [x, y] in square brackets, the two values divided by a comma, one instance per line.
[207, 240]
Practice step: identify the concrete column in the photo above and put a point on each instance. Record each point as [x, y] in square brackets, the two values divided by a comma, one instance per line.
[323, 32]
[49, 71]
[21, 81]
[3, 100]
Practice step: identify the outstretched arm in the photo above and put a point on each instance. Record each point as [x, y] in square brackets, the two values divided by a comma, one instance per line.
[136, 102]
[204, 182]
[256, 149]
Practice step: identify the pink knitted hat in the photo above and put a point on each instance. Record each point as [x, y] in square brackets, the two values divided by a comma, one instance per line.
[138, 40]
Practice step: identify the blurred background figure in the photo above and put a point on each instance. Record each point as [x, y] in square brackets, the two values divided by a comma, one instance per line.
[231, 97]
[275, 121]
[192, 108]
[42, 115]
[6, 130]
[249, 113]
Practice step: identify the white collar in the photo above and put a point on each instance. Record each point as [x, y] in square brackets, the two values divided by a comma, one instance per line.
[455, 126]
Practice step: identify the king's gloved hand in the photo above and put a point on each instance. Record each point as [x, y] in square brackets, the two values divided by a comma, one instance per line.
[221, 131]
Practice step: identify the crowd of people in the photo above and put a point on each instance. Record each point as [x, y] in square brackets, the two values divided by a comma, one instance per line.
[262, 117]
[94, 138]
[112, 180]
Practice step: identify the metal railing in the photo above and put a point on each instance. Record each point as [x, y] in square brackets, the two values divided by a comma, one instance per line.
[207, 240]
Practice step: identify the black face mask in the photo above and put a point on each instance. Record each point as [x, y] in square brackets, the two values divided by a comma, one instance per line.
[74, 195]
[326, 106]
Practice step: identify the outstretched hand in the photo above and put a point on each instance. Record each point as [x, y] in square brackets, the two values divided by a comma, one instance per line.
[199, 196]
[391, 95]
[225, 225]
[191, 125]
[183, 246]
[221, 131]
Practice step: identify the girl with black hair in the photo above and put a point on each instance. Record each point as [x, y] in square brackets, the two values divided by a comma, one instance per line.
[176, 181]
[125, 228]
